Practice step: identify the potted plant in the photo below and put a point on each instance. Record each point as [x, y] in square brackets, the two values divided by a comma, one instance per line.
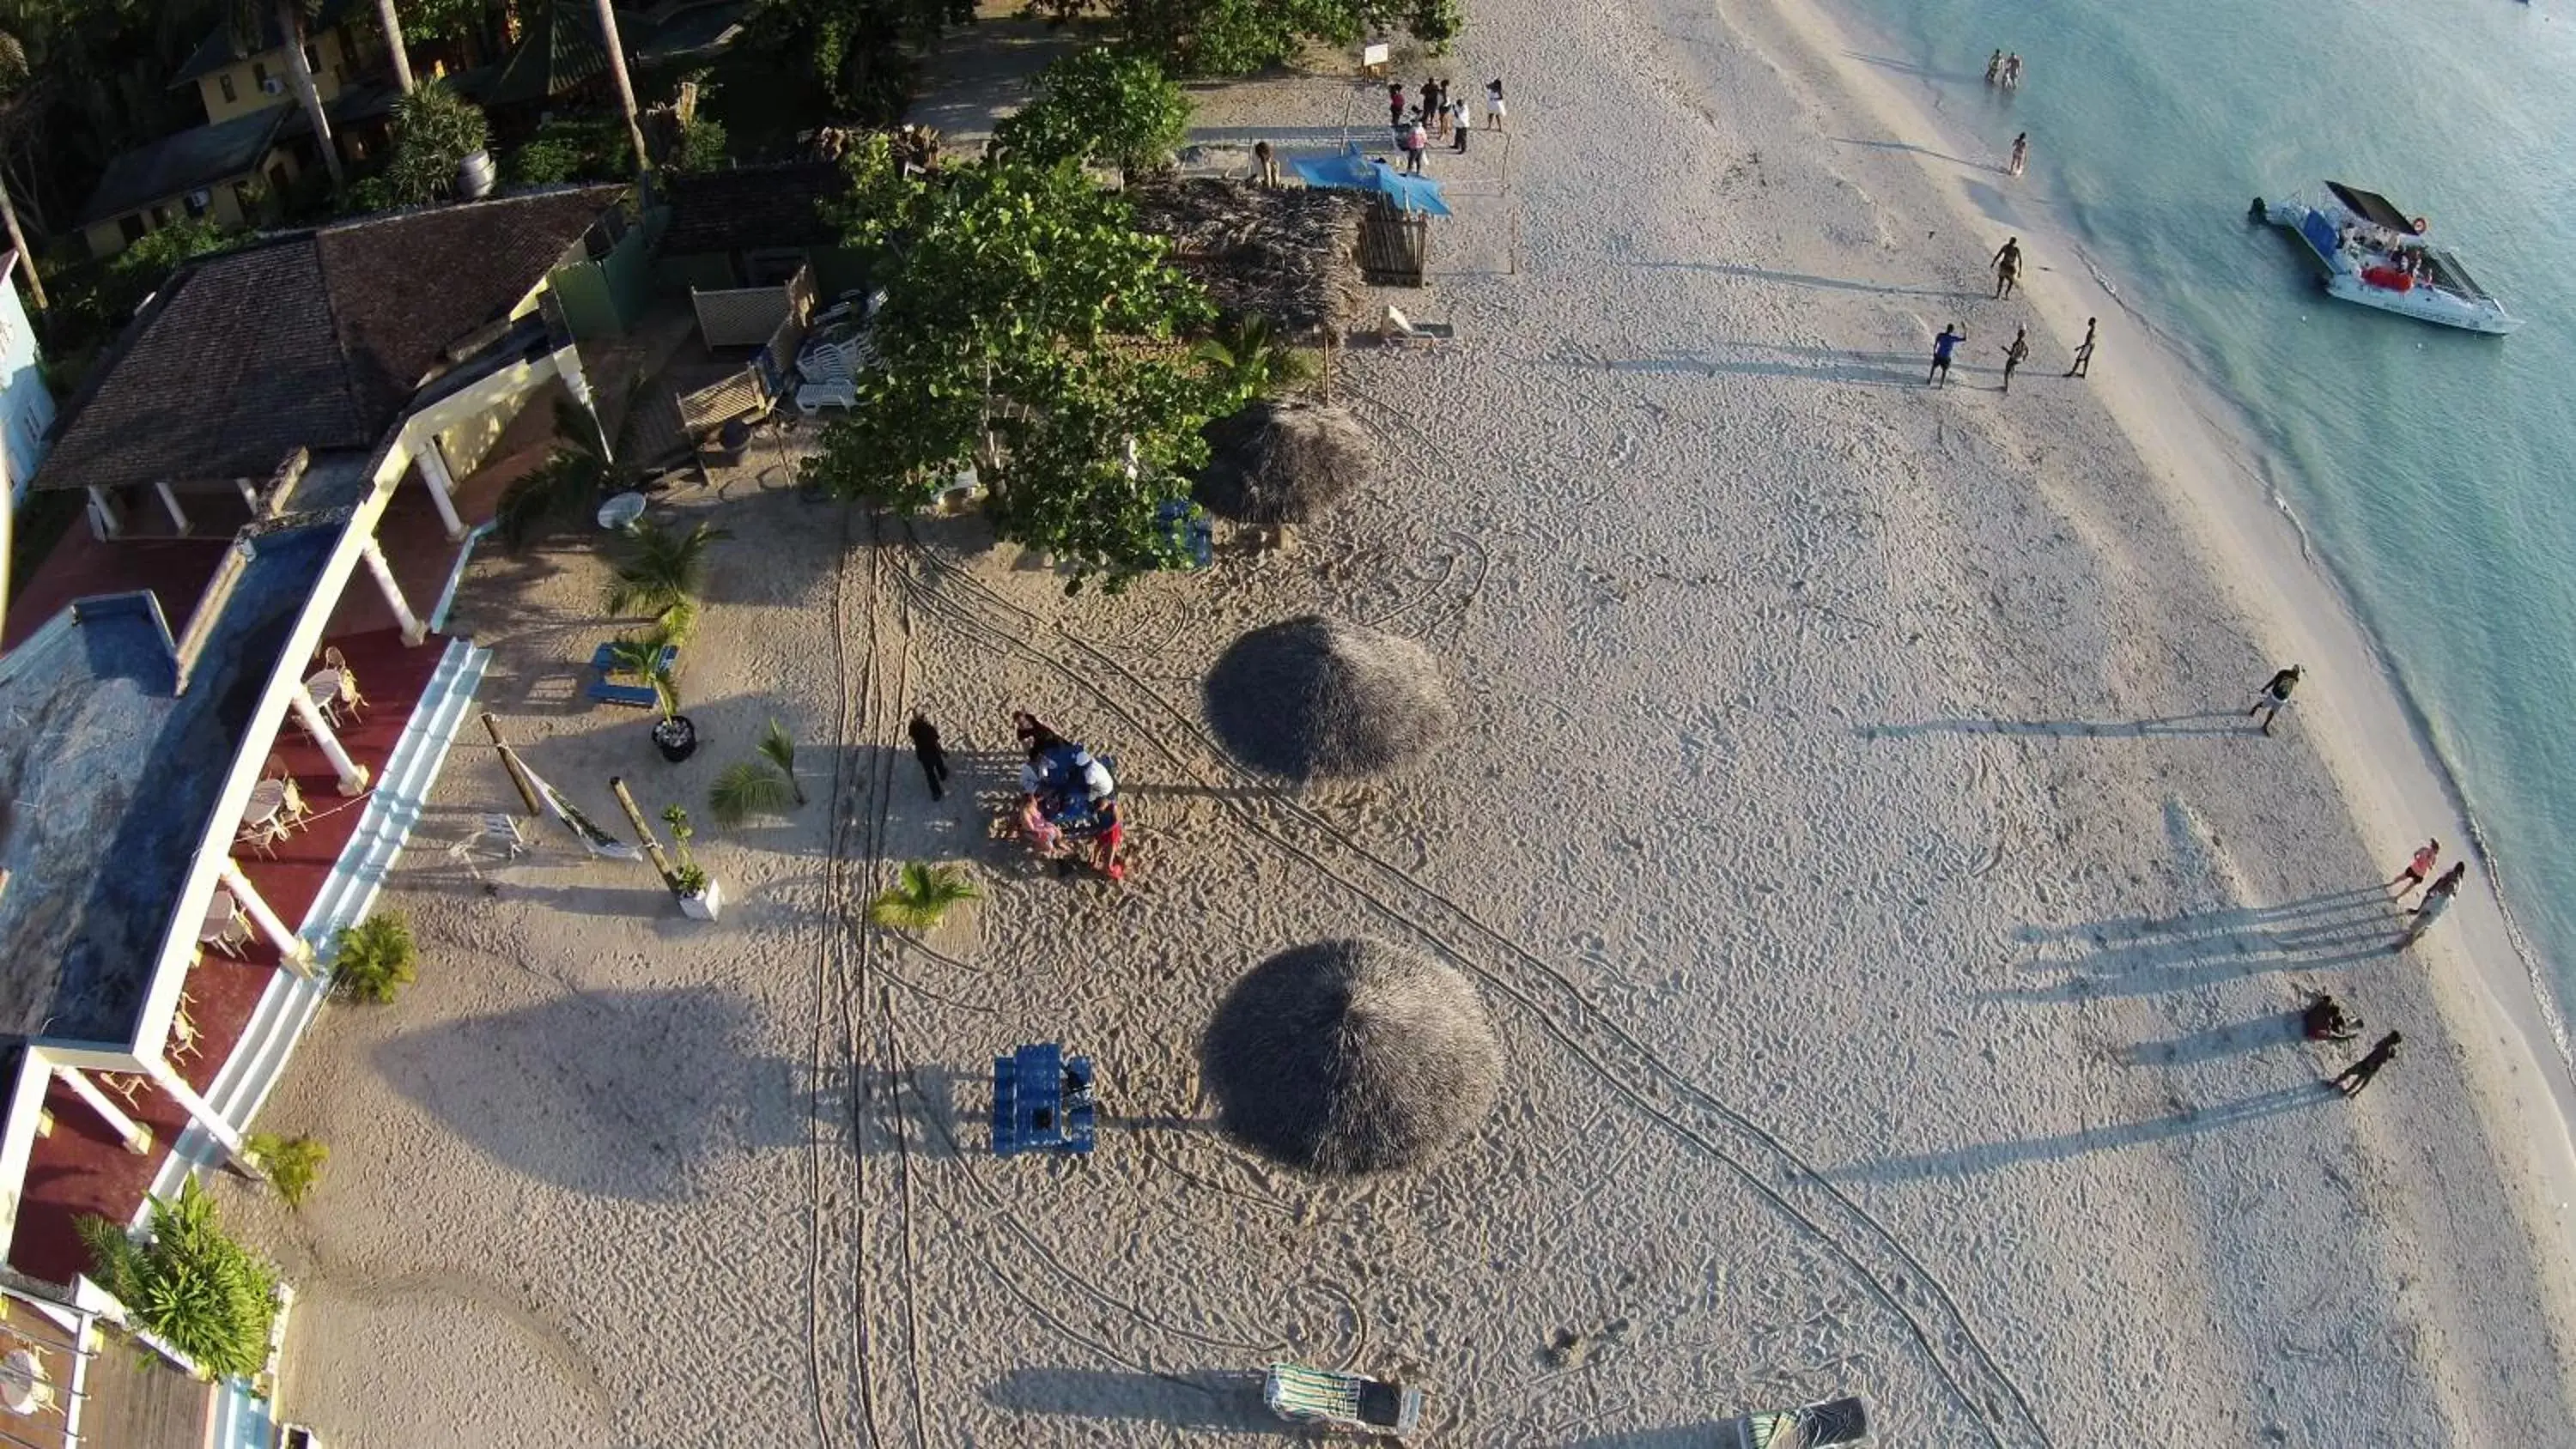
[701, 899]
[674, 734]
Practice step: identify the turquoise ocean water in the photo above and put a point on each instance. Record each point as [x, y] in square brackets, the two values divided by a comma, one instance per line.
[2433, 471]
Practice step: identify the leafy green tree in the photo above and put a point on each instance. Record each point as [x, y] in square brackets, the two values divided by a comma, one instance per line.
[702, 146]
[1102, 106]
[205, 1294]
[435, 129]
[1238, 37]
[138, 271]
[1023, 336]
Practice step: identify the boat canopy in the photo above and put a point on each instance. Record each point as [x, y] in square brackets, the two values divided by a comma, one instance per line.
[2372, 207]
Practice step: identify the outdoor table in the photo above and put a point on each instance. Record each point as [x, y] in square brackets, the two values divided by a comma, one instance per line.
[22, 1380]
[266, 799]
[325, 688]
[223, 917]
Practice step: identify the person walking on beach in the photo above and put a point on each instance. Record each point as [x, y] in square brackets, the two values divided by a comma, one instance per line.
[1942, 346]
[2275, 696]
[2020, 154]
[1269, 162]
[1435, 105]
[1395, 103]
[2084, 350]
[925, 748]
[1994, 67]
[2007, 267]
[2015, 355]
[2417, 868]
[2353, 1078]
[1494, 104]
[1416, 141]
[1458, 126]
[2437, 899]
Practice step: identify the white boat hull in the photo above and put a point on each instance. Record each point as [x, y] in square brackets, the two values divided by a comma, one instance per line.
[2322, 228]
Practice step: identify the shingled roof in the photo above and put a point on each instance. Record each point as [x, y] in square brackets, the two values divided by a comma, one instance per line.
[753, 207]
[223, 47]
[193, 159]
[315, 340]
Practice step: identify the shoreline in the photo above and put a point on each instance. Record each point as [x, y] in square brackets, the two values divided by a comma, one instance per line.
[2194, 441]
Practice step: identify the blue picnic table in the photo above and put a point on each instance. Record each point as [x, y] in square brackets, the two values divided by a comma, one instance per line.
[1042, 1101]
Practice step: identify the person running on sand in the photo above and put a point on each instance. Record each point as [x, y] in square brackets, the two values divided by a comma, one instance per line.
[2012, 71]
[1994, 67]
[1494, 104]
[925, 748]
[2016, 355]
[2275, 696]
[2353, 1078]
[2020, 154]
[2084, 350]
[2417, 868]
[1942, 346]
[2007, 266]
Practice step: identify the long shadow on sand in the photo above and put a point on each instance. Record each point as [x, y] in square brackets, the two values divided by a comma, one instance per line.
[1917, 150]
[1802, 279]
[1219, 1403]
[1918, 71]
[2213, 722]
[2145, 956]
[1986, 1157]
[2233, 1039]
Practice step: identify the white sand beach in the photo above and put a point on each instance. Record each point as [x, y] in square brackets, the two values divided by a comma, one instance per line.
[1890, 918]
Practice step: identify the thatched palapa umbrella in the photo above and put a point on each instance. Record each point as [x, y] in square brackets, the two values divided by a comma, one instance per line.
[1349, 1057]
[1317, 697]
[1280, 462]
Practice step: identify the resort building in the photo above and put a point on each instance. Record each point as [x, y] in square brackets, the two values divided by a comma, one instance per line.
[228, 698]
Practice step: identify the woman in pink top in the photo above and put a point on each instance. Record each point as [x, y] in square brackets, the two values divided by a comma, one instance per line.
[2418, 868]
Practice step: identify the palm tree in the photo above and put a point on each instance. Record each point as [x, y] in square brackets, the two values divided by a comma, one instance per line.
[747, 788]
[780, 747]
[392, 26]
[625, 84]
[13, 91]
[662, 573]
[244, 17]
[921, 895]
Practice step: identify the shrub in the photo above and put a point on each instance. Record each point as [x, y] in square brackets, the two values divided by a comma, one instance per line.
[1099, 106]
[921, 895]
[208, 1296]
[375, 959]
[292, 1163]
[435, 128]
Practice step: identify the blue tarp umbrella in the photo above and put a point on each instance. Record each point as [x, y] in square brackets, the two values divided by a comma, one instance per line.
[1352, 171]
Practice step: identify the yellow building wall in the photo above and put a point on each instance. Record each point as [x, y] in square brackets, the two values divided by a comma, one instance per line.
[336, 65]
[224, 206]
[469, 444]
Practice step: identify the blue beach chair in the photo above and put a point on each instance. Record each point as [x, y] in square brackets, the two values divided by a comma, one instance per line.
[607, 690]
[1042, 1102]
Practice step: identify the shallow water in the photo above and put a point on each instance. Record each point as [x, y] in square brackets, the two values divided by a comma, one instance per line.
[2428, 467]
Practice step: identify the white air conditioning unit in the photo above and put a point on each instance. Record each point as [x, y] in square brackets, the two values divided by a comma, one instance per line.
[274, 86]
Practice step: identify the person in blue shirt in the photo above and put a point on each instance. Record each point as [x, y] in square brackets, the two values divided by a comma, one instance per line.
[1942, 346]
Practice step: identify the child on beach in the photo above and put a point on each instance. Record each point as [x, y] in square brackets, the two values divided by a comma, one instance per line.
[1494, 104]
[2020, 153]
[2016, 355]
[1942, 346]
[2326, 1020]
[2084, 350]
[2417, 868]
[2353, 1078]
[2007, 267]
[2275, 696]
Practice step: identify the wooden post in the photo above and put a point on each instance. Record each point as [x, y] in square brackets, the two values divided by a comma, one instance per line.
[652, 842]
[510, 765]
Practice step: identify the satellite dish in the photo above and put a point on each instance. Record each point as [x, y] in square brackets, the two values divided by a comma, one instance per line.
[619, 513]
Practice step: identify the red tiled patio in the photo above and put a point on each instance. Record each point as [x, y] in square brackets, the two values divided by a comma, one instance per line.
[82, 1167]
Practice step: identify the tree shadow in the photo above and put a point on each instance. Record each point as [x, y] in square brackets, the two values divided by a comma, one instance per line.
[2211, 722]
[1725, 1433]
[1215, 1402]
[620, 1094]
[2185, 1122]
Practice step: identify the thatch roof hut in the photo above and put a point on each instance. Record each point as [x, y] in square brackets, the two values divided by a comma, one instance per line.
[1322, 698]
[1279, 462]
[1284, 253]
[1350, 1057]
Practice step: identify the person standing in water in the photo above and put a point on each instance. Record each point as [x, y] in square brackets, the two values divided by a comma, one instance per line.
[2012, 71]
[2275, 696]
[1994, 67]
[2007, 267]
[2020, 154]
[2353, 1078]
[2015, 355]
[1942, 346]
[2084, 350]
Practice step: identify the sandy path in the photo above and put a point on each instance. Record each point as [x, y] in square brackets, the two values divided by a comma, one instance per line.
[1887, 918]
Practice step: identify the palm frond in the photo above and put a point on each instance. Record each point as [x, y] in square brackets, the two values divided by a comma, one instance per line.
[921, 895]
[745, 789]
[663, 568]
[780, 747]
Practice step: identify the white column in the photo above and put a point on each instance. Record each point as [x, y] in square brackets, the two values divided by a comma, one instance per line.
[170, 500]
[137, 1139]
[413, 629]
[167, 1078]
[442, 485]
[298, 955]
[353, 776]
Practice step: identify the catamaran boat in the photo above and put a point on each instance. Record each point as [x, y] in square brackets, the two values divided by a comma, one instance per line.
[2376, 255]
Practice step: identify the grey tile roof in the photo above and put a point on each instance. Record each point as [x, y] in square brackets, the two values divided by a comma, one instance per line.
[176, 165]
[315, 340]
[221, 48]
